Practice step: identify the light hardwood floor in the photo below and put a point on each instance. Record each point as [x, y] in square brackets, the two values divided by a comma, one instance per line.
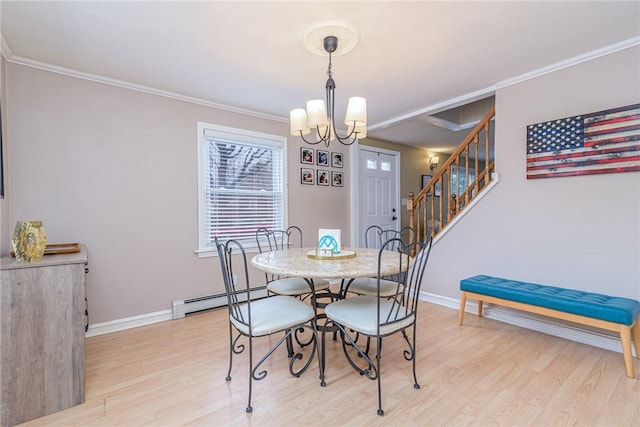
[483, 373]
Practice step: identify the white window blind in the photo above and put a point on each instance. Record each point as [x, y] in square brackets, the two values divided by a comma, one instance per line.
[241, 184]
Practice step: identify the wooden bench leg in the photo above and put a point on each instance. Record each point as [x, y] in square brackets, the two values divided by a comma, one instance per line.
[625, 338]
[463, 303]
[635, 333]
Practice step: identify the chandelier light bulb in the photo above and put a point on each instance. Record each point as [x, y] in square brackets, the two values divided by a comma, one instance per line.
[298, 122]
[317, 113]
[356, 112]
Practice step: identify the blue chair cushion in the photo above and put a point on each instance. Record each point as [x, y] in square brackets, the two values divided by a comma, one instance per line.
[597, 306]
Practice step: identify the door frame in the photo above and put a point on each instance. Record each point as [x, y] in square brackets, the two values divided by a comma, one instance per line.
[354, 196]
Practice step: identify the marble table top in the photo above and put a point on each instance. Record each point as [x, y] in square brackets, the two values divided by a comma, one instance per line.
[295, 263]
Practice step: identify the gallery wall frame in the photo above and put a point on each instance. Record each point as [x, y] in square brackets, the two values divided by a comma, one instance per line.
[322, 158]
[322, 177]
[336, 179]
[307, 176]
[307, 156]
[336, 160]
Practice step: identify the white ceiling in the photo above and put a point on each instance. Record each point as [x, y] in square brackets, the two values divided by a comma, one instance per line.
[412, 57]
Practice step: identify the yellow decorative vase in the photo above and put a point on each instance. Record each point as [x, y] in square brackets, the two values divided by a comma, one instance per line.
[29, 241]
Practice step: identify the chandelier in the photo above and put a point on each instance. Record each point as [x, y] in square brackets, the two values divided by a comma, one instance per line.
[320, 117]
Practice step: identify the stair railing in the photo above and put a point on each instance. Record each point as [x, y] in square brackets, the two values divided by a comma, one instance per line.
[452, 187]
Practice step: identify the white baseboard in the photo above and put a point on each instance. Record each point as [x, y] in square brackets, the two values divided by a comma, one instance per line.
[178, 311]
[128, 323]
[491, 311]
[534, 322]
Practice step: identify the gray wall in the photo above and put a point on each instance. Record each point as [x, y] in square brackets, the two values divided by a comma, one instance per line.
[116, 169]
[579, 232]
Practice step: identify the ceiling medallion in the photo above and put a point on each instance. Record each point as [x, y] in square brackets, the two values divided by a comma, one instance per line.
[314, 37]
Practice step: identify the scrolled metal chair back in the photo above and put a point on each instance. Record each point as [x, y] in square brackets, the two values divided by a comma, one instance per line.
[376, 237]
[278, 239]
[409, 282]
[273, 240]
[233, 263]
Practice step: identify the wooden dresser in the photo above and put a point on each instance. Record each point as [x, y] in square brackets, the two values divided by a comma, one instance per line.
[42, 314]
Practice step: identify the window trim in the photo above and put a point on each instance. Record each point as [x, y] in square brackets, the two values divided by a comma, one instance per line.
[239, 135]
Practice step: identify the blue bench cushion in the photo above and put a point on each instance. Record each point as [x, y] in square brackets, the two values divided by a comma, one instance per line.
[613, 309]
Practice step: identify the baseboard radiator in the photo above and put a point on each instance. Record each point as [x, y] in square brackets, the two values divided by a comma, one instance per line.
[182, 307]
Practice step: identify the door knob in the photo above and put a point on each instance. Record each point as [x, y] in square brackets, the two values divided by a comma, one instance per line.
[394, 218]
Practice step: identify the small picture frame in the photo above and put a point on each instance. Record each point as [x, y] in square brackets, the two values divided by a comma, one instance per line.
[306, 156]
[438, 191]
[425, 181]
[336, 179]
[307, 176]
[322, 157]
[336, 160]
[323, 177]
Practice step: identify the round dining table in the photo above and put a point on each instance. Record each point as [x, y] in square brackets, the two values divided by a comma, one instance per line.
[349, 264]
[301, 262]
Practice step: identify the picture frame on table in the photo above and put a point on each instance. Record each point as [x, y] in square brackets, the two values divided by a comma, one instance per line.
[307, 176]
[306, 156]
[336, 179]
[322, 157]
[336, 160]
[322, 177]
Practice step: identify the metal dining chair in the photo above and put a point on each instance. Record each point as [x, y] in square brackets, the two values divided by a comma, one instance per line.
[376, 237]
[253, 318]
[376, 317]
[271, 240]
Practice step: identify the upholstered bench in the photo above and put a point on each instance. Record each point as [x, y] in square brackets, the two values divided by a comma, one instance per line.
[621, 315]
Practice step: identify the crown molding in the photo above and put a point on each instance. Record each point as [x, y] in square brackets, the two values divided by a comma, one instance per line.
[607, 50]
[470, 97]
[14, 59]
[479, 94]
[436, 108]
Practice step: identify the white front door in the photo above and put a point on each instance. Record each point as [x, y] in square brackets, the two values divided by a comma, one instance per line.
[379, 202]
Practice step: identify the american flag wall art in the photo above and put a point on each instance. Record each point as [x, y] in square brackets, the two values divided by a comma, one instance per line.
[603, 142]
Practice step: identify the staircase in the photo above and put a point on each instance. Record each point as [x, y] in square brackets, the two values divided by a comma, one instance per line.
[455, 184]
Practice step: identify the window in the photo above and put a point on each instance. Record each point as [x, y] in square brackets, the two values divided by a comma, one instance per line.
[462, 174]
[240, 185]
